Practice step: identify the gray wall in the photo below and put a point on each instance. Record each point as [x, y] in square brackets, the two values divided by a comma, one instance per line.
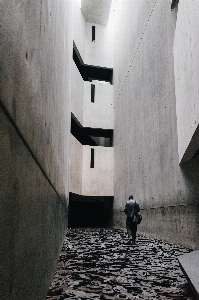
[145, 136]
[186, 67]
[35, 91]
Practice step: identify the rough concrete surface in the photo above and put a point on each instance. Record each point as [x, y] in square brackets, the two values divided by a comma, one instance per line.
[35, 91]
[76, 164]
[100, 52]
[145, 131]
[40, 87]
[190, 268]
[98, 181]
[99, 114]
[186, 77]
[33, 221]
[36, 47]
[96, 11]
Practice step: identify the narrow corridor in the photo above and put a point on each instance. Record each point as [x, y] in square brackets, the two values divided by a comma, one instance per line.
[99, 264]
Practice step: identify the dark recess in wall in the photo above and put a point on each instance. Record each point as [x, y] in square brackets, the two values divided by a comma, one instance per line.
[89, 211]
[90, 73]
[84, 134]
[174, 3]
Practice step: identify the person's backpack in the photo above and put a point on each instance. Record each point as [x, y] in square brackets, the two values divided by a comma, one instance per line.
[137, 219]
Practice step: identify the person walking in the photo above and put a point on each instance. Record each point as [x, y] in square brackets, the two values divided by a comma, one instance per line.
[131, 209]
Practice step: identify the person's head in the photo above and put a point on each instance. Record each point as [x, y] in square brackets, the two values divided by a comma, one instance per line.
[130, 197]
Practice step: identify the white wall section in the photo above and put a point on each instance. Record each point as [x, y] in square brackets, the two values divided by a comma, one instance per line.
[100, 52]
[186, 79]
[100, 113]
[98, 181]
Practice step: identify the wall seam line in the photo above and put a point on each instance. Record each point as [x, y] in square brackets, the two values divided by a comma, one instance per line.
[11, 120]
[135, 53]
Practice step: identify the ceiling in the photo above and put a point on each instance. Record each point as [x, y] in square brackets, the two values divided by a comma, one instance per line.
[96, 11]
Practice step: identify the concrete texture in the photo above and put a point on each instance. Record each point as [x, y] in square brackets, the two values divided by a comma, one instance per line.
[186, 64]
[76, 164]
[100, 52]
[77, 94]
[130, 22]
[99, 114]
[40, 87]
[86, 181]
[145, 132]
[190, 267]
[98, 181]
[79, 27]
[35, 86]
[35, 79]
[33, 221]
[95, 11]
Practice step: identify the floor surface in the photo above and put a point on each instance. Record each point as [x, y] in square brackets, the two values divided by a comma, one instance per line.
[100, 264]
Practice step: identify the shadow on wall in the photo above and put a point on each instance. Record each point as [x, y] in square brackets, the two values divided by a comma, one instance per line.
[190, 171]
[85, 211]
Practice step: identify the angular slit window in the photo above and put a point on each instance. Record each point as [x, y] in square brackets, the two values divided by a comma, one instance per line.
[93, 34]
[92, 158]
[92, 93]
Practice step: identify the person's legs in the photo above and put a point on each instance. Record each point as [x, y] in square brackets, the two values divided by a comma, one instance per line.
[129, 227]
[134, 230]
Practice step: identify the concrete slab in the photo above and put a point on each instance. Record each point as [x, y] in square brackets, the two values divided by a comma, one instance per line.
[189, 264]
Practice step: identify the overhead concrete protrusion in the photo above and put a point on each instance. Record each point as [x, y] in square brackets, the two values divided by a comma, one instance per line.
[95, 11]
[190, 267]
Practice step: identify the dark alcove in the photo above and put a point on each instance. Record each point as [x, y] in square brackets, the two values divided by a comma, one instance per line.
[89, 211]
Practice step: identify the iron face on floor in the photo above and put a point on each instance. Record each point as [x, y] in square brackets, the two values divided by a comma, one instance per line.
[100, 264]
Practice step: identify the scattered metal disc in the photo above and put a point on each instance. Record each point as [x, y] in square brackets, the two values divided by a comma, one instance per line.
[99, 264]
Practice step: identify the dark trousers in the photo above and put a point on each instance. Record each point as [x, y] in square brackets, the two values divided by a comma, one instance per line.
[131, 228]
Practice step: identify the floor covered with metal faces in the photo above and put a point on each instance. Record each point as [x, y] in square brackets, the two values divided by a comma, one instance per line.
[99, 264]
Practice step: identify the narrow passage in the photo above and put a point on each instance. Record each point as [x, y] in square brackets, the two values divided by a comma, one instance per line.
[99, 264]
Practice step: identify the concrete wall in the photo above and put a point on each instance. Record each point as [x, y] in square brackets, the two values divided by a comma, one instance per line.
[186, 79]
[33, 221]
[100, 113]
[36, 51]
[76, 164]
[98, 53]
[86, 181]
[97, 181]
[79, 28]
[130, 23]
[77, 94]
[96, 11]
[145, 135]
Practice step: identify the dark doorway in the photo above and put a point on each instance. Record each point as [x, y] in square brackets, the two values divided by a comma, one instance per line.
[89, 211]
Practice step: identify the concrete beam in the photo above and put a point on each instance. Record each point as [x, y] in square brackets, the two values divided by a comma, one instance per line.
[190, 267]
[192, 147]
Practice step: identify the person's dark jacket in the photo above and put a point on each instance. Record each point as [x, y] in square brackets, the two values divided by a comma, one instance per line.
[131, 208]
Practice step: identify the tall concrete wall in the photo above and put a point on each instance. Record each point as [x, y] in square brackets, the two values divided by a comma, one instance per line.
[87, 181]
[186, 79]
[36, 51]
[84, 180]
[145, 135]
[77, 94]
[100, 113]
[76, 165]
[98, 181]
[79, 28]
[100, 52]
